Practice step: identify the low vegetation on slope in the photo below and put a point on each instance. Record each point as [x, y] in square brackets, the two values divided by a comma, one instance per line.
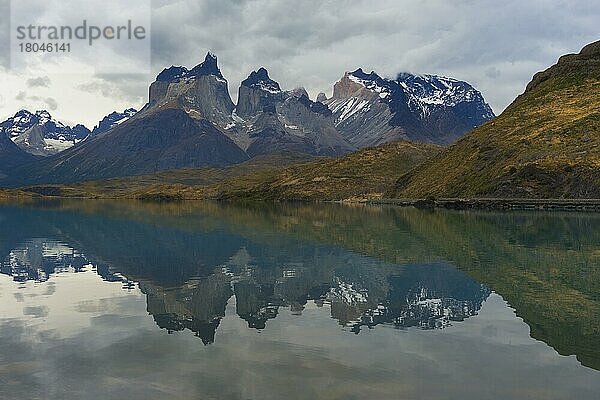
[171, 184]
[364, 174]
[545, 145]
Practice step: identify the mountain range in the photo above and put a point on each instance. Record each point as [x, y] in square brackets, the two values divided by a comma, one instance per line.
[191, 121]
[41, 135]
[545, 145]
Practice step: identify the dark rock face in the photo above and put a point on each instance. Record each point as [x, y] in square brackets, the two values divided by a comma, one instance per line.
[208, 67]
[269, 135]
[113, 119]
[258, 93]
[315, 106]
[161, 140]
[41, 135]
[371, 110]
[12, 156]
[260, 79]
[269, 120]
[171, 74]
[202, 91]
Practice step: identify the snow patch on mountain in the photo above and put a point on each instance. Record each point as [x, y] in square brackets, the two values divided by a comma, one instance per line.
[370, 110]
[40, 134]
[432, 90]
[260, 79]
[113, 119]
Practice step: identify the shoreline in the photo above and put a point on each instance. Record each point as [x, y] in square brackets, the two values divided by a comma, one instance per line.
[491, 204]
[495, 204]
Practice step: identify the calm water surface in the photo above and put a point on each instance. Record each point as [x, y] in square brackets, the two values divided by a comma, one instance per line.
[118, 300]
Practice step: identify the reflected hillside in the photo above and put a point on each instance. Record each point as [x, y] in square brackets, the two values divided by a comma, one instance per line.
[192, 258]
[189, 274]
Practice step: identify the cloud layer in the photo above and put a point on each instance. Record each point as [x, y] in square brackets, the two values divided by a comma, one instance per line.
[496, 46]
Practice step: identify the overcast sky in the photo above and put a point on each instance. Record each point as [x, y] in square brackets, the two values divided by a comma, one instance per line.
[495, 45]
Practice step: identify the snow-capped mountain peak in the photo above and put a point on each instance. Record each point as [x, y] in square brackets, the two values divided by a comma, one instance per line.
[372, 81]
[370, 110]
[44, 117]
[113, 119]
[260, 79]
[434, 90]
[18, 124]
[24, 120]
[40, 134]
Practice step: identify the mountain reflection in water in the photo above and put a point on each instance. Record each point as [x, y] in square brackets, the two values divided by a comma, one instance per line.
[361, 291]
[296, 301]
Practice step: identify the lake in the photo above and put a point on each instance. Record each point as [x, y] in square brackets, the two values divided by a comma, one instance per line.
[129, 300]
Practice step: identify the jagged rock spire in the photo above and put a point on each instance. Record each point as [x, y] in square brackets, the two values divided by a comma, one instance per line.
[207, 67]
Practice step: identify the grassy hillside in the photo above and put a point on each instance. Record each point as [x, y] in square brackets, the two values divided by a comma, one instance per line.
[545, 145]
[364, 174]
[174, 182]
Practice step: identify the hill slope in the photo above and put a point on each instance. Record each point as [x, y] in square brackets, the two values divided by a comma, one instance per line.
[12, 156]
[363, 174]
[544, 145]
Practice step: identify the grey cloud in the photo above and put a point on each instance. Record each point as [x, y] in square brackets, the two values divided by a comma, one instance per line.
[492, 72]
[42, 81]
[51, 103]
[129, 88]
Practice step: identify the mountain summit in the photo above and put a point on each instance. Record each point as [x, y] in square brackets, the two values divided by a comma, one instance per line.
[260, 79]
[207, 67]
[370, 110]
[39, 134]
[258, 93]
[201, 92]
